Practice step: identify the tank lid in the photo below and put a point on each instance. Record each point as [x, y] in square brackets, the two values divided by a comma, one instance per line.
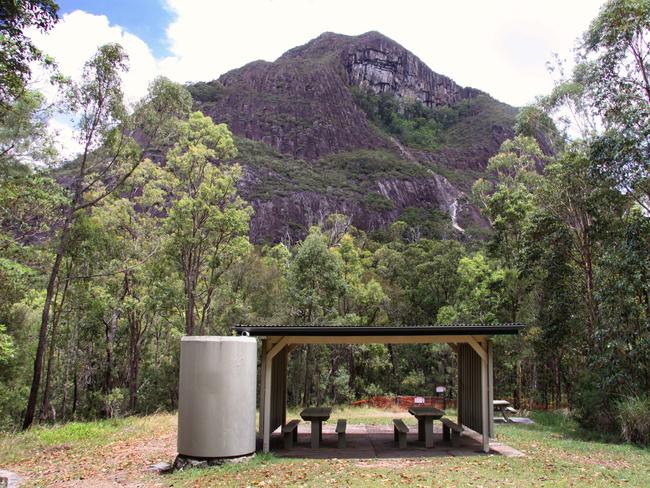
[217, 339]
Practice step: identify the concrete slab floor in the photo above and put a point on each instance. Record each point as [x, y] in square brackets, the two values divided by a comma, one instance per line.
[376, 442]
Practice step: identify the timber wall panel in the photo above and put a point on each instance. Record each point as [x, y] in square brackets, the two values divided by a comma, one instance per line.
[279, 390]
[469, 373]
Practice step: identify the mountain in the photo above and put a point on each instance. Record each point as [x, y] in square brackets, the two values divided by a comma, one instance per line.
[355, 125]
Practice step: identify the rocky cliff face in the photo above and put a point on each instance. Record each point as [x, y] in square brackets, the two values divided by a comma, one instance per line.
[289, 217]
[320, 144]
[383, 66]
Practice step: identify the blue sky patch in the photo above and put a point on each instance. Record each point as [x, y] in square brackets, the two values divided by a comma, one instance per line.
[147, 19]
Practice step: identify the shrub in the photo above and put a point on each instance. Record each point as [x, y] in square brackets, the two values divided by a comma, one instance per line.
[634, 418]
[377, 202]
[593, 399]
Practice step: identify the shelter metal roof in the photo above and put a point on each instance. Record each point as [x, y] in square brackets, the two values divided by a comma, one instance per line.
[393, 330]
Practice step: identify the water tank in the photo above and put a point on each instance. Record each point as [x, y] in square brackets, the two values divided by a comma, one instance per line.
[216, 405]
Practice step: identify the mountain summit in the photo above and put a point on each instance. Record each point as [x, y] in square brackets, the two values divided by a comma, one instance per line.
[356, 125]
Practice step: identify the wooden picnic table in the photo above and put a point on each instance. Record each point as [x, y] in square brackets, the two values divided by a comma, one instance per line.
[316, 415]
[503, 406]
[426, 416]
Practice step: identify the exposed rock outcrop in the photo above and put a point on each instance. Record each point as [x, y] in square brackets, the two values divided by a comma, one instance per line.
[381, 65]
[289, 217]
[302, 106]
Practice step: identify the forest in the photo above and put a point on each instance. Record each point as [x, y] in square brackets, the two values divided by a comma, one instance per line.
[108, 259]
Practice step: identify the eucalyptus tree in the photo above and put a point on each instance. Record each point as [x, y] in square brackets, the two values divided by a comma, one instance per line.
[24, 135]
[109, 155]
[30, 199]
[17, 51]
[615, 73]
[129, 232]
[207, 223]
[315, 279]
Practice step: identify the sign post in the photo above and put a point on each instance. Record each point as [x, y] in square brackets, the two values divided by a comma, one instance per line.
[440, 390]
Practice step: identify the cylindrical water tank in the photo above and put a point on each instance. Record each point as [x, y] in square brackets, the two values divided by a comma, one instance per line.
[216, 405]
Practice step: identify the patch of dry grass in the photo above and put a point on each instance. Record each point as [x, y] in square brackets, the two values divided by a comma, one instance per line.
[106, 453]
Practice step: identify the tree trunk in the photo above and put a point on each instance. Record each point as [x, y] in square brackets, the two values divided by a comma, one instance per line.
[64, 393]
[58, 308]
[517, 399]
[591, 303]
[189, 311]
[351, 369]
[110, 330]
[134, 370]
[135, 334]
[48, 378]
[75, 389]
[45, 319]
[307, 386]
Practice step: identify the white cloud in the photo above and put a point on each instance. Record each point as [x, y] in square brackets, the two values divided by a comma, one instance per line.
[76, 38]
[66, 142]
[500, 47]
[71, 43]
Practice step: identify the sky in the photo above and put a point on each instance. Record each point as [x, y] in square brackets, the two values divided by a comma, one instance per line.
[498, 46]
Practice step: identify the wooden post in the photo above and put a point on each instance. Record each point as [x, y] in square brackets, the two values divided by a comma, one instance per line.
[262, 385]
[285, 372]
[488, 343]
[266, 409]
[484, 403]
[459, 387]
[268, 353]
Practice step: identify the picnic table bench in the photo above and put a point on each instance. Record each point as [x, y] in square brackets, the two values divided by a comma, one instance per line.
[426, 416]
[400, 429]
[451, 431]
[290, 433]
[504, 407]
[316, 415]
[340, 432]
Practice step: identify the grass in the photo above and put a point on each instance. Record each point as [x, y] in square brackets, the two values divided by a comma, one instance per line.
[558, 453]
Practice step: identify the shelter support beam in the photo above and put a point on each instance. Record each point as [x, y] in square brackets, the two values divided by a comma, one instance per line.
[265, 414]
[433, 339]
[478, 347]
[485, 386]
[269, 351]
[490, 387]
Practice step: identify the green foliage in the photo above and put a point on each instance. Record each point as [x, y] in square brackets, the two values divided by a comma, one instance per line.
[207, 222]
[424, 223]
[413, 382]
[148, 251]
[372, 165]
[377, 202]
[206, 92]
[634, 418]
[534, 122]
[29, 205]
[17, 51]
[7, 348]
[411, 122]
[314, 279]
[479, 294]
[344, 175]
[485, 116]
[609, 91]
[23, 133]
